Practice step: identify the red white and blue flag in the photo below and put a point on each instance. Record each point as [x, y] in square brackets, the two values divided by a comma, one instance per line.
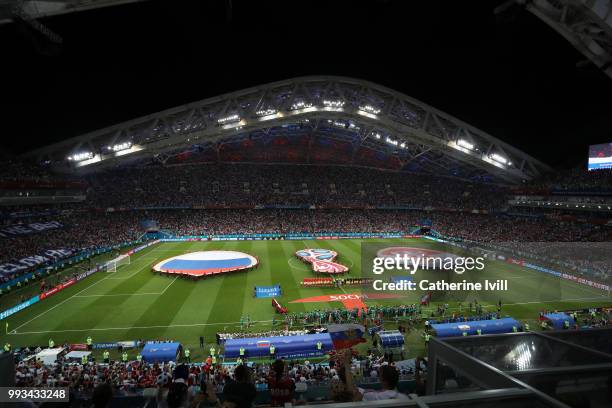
[426, 298]
[346, 335]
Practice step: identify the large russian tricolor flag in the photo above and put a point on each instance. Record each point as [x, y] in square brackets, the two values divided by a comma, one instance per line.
[346, 335]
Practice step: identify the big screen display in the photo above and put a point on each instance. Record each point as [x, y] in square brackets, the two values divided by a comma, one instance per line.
[600, 156]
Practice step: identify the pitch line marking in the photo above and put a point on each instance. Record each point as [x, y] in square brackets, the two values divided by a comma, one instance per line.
[164, 291]
[128, 294]
[132, 274]
[66, 271]
[119, 294]
[63, 301]
[59, 304]
[302, 265]
[14, 332]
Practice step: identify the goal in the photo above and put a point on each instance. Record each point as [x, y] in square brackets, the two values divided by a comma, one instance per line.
[113, 264]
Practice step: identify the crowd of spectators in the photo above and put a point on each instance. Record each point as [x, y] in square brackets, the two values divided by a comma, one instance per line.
[91, 229]
[226, 186]
[345, 198]
[239, 383]
[578, 179]
[15, 170]
[81, 231]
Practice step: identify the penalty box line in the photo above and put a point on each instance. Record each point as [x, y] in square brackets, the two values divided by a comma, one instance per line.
[169, 326]
[130, 294]
[59, 304]
[66, 300]
[76, 295]
[136, 262]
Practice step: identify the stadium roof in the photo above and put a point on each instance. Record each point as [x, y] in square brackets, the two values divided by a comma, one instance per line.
[47, 8]
[350, 110]
[587, 25]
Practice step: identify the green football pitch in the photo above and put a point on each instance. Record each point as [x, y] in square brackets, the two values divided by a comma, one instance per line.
[135, 303]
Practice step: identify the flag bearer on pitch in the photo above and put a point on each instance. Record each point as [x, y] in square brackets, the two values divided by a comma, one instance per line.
[139, 358]
[106, 356]
[84, 359]
[124, 357]
[212, 350]
[89, 343]
[188, 355]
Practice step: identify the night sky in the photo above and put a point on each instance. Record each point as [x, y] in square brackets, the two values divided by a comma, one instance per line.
[511, 76]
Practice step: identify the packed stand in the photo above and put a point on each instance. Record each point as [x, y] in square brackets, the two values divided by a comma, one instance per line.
[285, 381]
[246, 186]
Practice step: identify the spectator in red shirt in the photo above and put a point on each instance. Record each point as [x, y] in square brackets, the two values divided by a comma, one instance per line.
[280, 385]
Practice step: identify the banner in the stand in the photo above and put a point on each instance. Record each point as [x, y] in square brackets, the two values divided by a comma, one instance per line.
[34, 260]
[27, 229]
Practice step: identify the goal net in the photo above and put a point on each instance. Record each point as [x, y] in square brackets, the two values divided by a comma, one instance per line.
[113, 264]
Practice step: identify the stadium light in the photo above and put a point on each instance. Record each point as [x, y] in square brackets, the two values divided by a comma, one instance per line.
[377, 135]
[333, 104]
[391, 141]
[229, 119]
[77, 157]
[498, 158]
[343, 125]
[301, 105]
[369, 109]
[465, 143]
[266, 112]
[120, 146]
